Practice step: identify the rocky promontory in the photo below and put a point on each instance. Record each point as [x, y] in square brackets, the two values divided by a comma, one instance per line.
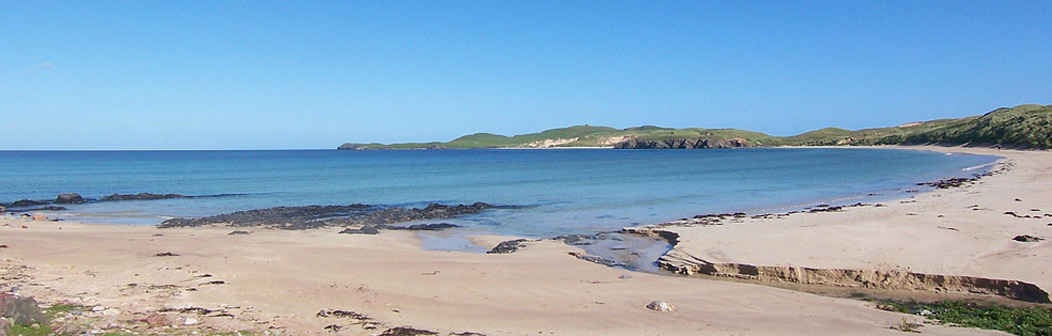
[686, 143]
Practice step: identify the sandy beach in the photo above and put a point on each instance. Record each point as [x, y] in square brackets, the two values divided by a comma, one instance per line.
[289, 282]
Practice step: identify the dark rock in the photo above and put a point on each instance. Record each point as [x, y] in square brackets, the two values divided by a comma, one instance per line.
[348, 314]
[238, 232]
[660, 306]
[829, 209]
[368, 229]
[576, 239]
[431, 227]
[686, 143]
[166, 254]
[188, 310]
[21, 310]
[70, 198]
[599, 260]
[315, 216]
[949, 183]
[407, 331]
[26, 202]
[141, 196]
[48, 208]
[1027, 239]
[283, 217]
[510, 246]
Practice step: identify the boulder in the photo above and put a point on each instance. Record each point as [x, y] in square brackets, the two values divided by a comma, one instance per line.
[21, 310]
[70, 198]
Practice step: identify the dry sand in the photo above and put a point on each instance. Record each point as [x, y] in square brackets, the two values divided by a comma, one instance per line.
[960, 231]
[279, 280]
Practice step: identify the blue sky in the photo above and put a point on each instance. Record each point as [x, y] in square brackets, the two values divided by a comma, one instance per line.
[255, 74]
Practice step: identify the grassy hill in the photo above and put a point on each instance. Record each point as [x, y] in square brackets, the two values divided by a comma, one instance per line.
[1023, 126]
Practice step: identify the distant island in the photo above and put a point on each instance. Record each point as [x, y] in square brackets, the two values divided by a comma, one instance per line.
[1021, 127]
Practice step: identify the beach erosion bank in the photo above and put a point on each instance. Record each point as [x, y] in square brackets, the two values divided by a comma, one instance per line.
[271, 280]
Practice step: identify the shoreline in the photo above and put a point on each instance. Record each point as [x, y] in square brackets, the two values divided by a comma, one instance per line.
[394, 282]
[786, 267]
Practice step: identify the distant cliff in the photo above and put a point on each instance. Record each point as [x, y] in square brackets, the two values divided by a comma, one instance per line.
[1023, 126]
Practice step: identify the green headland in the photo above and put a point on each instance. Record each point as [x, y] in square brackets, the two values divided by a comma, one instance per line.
[1023, 127]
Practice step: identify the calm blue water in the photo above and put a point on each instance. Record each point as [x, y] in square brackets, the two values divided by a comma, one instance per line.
[566, 191]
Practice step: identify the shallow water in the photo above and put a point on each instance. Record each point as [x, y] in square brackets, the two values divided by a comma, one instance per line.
[563, 191]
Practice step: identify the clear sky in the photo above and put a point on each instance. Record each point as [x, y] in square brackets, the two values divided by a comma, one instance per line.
[299, 74]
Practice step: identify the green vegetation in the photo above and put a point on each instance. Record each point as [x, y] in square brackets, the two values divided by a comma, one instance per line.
[18, 329]
[1023, 321]
[60, 310]
[1024, 126]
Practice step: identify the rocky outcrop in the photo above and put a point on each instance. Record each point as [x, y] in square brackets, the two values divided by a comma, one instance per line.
[26, 202]
[70, 198]
[683, 263]
[140, 196]
[317, 216]
[694, 143]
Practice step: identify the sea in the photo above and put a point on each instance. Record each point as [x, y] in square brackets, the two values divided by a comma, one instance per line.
[550, 192]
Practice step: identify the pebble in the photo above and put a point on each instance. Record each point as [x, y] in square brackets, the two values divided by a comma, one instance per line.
[660, 306]
[98, 308]
[190, 321]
